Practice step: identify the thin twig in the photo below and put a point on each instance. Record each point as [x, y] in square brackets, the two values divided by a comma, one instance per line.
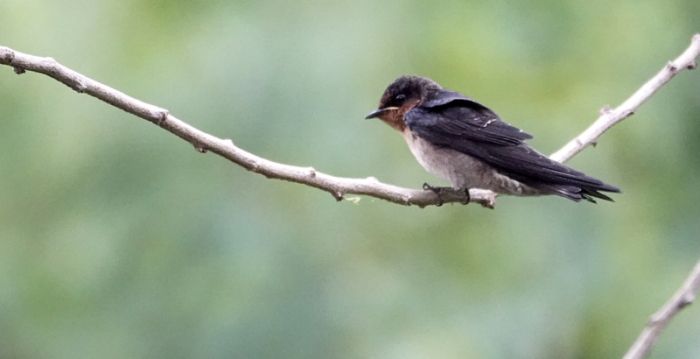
[338, 187]
[658, 321]
[609, 117]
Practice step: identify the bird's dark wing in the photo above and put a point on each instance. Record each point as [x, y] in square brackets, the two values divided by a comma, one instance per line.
[468, 119]
[467, 127]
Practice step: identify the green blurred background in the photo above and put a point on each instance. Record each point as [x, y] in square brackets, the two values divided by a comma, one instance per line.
[118, 240]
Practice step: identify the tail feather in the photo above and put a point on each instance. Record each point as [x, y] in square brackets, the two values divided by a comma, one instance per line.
[589, 194]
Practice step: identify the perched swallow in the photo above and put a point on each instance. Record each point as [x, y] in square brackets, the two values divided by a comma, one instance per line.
[465, 143]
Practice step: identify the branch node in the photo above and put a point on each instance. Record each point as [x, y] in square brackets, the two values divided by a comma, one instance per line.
[692, 65]
[199, 148]
[162, 116]
[79, 86]
[18, 70]
[605, 110]
[229, 142]
[311, 172]
[6, 55]
[672, 67]
[52, 66]
[654, 320]
[372, 179]
[686, 299]
[338, 195]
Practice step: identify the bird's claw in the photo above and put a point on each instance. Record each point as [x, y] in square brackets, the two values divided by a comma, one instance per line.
[467, 197]
[436, 190]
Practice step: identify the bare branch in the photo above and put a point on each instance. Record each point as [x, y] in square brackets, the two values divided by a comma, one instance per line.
[338, 187]
[609, 117]
[684, 296]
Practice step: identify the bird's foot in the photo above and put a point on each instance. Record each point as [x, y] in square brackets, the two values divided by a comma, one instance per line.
[467, 197]
[437, 191]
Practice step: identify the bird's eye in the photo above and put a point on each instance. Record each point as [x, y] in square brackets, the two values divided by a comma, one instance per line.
[400, 98]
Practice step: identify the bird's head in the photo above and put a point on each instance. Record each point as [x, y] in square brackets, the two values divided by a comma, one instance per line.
[403, 94]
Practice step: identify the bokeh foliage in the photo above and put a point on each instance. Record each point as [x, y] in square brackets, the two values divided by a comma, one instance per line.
[118, 240]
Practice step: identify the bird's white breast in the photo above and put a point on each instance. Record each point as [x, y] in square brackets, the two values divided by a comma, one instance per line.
[461, 170]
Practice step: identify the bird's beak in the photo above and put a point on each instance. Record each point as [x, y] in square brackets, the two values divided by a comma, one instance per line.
[379, 112]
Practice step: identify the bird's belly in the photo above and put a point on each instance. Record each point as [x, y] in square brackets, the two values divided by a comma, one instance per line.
[461, 170]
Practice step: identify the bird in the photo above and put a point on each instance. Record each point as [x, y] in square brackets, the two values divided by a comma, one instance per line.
[465, 143]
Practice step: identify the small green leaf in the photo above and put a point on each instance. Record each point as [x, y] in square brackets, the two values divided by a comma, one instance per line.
[354, 200]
